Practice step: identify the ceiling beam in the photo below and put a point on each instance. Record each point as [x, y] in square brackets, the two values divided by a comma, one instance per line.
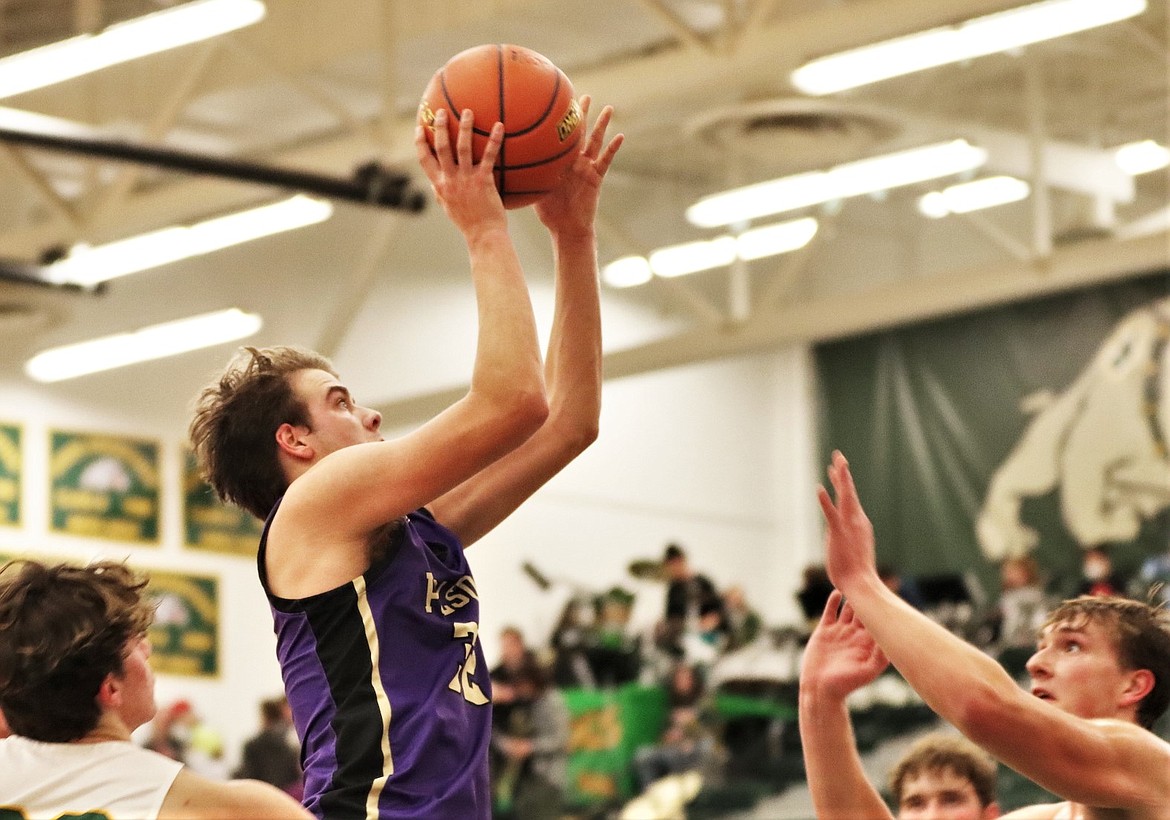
[890, 305]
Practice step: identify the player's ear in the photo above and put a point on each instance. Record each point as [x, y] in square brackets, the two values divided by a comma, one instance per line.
[109, 694]
[292, 439]
[1139, 684]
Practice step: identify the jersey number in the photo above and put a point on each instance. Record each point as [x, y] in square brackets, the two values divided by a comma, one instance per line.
[462, 682]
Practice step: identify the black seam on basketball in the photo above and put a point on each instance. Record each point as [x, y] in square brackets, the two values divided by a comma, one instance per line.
[546, 160]
[548, 109]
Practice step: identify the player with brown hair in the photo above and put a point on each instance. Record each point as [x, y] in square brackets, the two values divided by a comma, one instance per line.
[75, 681]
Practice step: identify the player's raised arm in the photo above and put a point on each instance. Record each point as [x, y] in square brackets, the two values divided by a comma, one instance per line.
[839, 659]
[573, 363]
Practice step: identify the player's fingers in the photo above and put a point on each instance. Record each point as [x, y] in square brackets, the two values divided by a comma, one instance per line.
[466, 135]
[827, 507]
[426, 157]
[492, 149]
[847, 615]
[603, 162]
[442, 139]
[831, 605]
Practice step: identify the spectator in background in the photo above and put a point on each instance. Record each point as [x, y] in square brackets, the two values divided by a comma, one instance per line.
[813, 593]
[533, 748]
[689, 596]
[1098, 576]
[1023, 605]
[687, 743]
[1153, 579]
[273, 755]
[170, 730]
[742, 623]
[901, 585]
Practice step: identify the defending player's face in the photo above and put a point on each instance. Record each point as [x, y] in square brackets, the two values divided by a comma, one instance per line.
[941, 794]
[137, 679]
[1076, 668]
[337, 421]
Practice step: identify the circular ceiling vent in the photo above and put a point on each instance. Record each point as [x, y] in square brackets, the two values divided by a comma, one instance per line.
[797, 133]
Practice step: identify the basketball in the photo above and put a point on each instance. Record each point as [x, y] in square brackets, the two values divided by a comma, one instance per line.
[526, 92]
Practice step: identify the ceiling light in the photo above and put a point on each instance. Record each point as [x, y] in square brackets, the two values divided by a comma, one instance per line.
[775, 239]
[1141, 157]
[627, 272]
[951, 44]
[87, 266]
[847, 180]
[122, 42]
[153, 342]
[692, 257]
[973, 196]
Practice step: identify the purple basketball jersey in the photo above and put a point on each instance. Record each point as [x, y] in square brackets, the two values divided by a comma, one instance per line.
[388, 685]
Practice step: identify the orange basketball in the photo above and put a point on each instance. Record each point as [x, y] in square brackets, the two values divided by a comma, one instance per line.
[529, 95]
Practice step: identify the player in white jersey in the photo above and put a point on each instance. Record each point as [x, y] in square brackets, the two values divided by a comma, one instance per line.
[75, 681]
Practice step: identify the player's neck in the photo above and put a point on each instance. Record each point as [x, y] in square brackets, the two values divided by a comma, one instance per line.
[109, 728]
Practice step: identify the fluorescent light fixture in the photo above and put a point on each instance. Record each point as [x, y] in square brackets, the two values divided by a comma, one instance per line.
[771, 240]
[88, 266]
[122, 42]
[847, 180]
[951, 44]
[973, 196]
[627, 272]
[153, 342]
[1141, 157]
[692, 257]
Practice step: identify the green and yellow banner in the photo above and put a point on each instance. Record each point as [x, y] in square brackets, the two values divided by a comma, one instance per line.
[104, 486]
[209, 524]
[185, 633]
[10, 474]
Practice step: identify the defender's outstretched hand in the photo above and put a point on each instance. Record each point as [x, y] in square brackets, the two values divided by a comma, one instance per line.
[841, 656]
[572, 205]
[465, 189]
[849, 542]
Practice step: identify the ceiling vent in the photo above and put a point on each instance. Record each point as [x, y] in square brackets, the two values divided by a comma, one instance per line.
[796, 133]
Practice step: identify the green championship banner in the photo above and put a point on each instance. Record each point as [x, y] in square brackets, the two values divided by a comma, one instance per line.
[104, 486]
[10, 474]
[209, 524]
[185, 632]
[607, 727]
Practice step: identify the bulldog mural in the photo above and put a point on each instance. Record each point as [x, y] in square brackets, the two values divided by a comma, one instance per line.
[1101, 444]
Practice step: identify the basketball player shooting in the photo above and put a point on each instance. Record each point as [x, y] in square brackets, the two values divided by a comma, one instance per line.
[362, 556]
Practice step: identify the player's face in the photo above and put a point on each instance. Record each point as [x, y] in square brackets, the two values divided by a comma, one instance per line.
[137, 679]
[337, 421]
[941, 794]
[1076, 668]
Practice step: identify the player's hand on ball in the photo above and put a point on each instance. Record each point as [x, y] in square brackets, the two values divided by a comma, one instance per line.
[465, 189]
[572, 206]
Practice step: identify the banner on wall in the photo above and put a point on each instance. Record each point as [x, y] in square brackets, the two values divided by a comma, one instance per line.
[185, 632]
[104, 486]
[1038, 428]
[11, 471]
[209, 524]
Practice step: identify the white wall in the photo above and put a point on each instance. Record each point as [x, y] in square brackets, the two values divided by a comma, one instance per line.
[715, 456]
[247, 661]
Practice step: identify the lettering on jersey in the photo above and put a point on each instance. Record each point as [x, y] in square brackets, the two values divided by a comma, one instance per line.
[450, 595]
[464, 682]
